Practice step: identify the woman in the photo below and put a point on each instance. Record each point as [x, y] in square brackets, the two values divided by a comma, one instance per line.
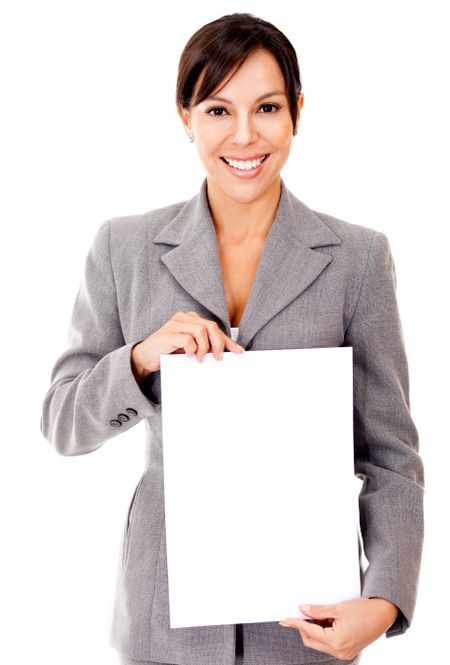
[242, 260]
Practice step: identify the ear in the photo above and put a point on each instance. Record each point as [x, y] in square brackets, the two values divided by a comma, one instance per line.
[185, 119]
[299, 108]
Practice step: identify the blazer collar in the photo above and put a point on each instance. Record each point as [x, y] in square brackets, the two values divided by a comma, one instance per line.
[288, 264]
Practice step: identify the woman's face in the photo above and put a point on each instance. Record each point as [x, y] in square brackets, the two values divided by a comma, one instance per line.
[248, 125]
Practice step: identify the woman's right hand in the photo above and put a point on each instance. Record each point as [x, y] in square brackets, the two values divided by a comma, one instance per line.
[185, 332]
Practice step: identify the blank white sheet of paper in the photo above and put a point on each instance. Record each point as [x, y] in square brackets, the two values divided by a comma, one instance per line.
[259, 488]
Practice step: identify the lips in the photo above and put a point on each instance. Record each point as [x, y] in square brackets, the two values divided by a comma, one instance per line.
[244, 173]
[245, 159]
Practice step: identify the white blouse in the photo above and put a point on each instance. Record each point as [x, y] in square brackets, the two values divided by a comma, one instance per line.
[234, 333]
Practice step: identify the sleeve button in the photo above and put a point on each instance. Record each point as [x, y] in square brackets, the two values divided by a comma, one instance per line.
[123, 417]
[131, 411]
[115, 423]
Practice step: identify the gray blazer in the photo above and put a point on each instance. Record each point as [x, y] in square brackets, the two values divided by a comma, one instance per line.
[321, 282]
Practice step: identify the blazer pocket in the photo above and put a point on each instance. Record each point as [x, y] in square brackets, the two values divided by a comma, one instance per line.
[129, 523]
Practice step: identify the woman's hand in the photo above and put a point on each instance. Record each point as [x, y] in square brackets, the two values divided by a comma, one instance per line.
[185, 332]
[345, 628]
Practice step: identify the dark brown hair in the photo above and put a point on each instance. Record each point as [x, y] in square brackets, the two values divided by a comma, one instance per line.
[222, 45]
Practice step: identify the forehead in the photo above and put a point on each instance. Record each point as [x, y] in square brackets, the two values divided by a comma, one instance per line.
[259, 74]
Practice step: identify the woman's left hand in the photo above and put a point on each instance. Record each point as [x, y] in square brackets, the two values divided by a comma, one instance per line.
[344, 629]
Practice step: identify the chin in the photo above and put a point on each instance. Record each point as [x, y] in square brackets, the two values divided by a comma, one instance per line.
[245, 192]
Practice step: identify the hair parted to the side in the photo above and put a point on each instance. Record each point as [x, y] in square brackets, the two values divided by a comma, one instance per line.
[220, 47]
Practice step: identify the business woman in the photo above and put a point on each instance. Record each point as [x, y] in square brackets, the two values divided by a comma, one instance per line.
[243, 265]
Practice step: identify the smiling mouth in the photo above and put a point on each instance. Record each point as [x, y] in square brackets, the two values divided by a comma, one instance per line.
[228, 160]
[241, 164]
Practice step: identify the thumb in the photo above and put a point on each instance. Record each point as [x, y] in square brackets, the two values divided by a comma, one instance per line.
[318, 611]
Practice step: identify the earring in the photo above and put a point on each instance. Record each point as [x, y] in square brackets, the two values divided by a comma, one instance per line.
[191, 138]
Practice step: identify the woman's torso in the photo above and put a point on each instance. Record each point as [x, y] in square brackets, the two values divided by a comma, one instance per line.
[299, 296]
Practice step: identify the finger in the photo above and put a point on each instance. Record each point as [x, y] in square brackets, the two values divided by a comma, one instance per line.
[197, 330]
[186, 343]
[216, 337]
[220, 340]
[233, 346]
[320, 611]
[189, 344]
[324, 644]
[183, 343]
[313, 636]
[209, 336]
[317, 637]
[316, 633]
[309, 629]
[202, 339]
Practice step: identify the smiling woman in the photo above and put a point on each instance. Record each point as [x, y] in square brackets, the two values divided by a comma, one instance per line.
[245, 142]
[244, 256]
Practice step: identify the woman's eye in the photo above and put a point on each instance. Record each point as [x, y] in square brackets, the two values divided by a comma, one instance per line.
[212, 112]
[274, 106]
[218, 108]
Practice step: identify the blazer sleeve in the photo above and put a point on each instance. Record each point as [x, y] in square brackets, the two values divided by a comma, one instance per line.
[386, 441]
[93, 394]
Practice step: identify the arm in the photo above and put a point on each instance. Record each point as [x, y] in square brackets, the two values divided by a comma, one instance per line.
[386, 441]
[93, 381]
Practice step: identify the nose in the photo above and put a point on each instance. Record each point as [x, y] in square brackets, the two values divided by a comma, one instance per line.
[244, 130]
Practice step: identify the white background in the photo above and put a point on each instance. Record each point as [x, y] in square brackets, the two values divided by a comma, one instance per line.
[89, 131]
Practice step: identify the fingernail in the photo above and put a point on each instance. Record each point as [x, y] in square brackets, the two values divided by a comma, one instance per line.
[241, 347]
[305, 607]
[284, 624]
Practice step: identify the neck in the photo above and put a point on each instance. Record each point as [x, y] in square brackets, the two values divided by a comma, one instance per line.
[236, 222]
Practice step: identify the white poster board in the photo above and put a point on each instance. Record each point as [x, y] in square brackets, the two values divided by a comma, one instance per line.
[260, 496]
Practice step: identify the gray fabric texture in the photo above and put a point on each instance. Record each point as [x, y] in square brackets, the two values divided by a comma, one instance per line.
[321, 282]
[239, 660]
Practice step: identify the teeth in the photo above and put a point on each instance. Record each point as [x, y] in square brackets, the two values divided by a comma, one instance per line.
[245, 166]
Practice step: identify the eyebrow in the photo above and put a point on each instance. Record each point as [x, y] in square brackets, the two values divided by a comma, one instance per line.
[267, 94]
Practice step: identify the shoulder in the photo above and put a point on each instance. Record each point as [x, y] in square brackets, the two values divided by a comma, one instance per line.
[357, 241]
[350, 233]
[357, 249]
[126, 230]
[351, 238]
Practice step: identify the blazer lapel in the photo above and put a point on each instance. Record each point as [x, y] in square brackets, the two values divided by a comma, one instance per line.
[288, 264]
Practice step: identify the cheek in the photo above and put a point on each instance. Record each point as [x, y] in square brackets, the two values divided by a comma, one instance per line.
[281, 135]
[209, 141]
